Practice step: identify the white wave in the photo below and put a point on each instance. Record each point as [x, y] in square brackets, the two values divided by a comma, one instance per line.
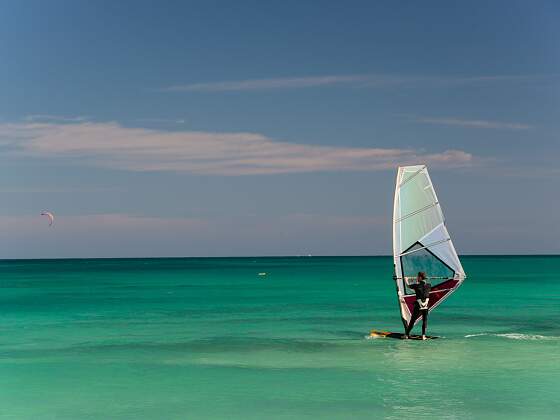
[515, 336]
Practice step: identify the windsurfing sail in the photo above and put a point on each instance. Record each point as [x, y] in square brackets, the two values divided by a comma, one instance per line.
[49, 215]
[421, 241]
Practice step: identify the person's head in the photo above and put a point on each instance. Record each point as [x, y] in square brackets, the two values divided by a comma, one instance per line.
[421, 276]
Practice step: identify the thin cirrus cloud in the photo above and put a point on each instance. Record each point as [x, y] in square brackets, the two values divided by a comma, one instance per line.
[70, 224]
[362, 80]
[473, 123]
[138, 235]
[275, 83]
[110, 145]
[162, 120]
[55, 118]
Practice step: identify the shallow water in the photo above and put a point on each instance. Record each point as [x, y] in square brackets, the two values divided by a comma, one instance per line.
[210, 338]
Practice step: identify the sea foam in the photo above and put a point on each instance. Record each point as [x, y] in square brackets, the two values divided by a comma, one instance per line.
[515, 336]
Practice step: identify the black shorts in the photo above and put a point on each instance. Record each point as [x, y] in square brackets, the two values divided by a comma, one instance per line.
[422, 312]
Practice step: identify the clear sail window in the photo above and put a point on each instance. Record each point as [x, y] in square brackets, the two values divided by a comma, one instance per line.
[417, 258]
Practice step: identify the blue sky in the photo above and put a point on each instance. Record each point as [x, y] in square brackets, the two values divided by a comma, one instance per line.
[213, 128]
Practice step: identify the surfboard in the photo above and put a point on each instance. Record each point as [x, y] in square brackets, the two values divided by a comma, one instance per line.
[400, 336]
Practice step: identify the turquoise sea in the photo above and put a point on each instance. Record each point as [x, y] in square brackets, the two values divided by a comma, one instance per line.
[210, 338]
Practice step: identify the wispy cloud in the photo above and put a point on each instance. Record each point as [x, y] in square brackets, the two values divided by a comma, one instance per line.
[55, 190]
[162, 120]
[500, 125]
[100, 235]
[363, 80]
[333, 221]
[111, 145]
[55, 118]
[129, 235]
[109, 221]
[277, 83]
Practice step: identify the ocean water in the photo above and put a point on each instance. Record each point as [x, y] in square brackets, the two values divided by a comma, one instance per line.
[210, 338]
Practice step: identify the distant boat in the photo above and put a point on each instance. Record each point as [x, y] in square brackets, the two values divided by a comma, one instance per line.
[421, 241]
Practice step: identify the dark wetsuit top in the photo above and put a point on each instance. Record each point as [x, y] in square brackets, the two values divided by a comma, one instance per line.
[422, 290]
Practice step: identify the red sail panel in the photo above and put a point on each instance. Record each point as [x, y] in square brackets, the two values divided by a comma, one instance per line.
[410, 302]
[437, 293]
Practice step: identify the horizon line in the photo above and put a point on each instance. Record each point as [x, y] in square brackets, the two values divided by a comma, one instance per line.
[261, 256]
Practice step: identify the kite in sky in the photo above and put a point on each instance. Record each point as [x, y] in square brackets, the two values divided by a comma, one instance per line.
[49, 215]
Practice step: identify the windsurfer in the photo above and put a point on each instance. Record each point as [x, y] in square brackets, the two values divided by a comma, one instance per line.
[422, 290]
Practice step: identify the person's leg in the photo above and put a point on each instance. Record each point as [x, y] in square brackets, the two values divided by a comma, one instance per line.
[415, 314]
[424, 322]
